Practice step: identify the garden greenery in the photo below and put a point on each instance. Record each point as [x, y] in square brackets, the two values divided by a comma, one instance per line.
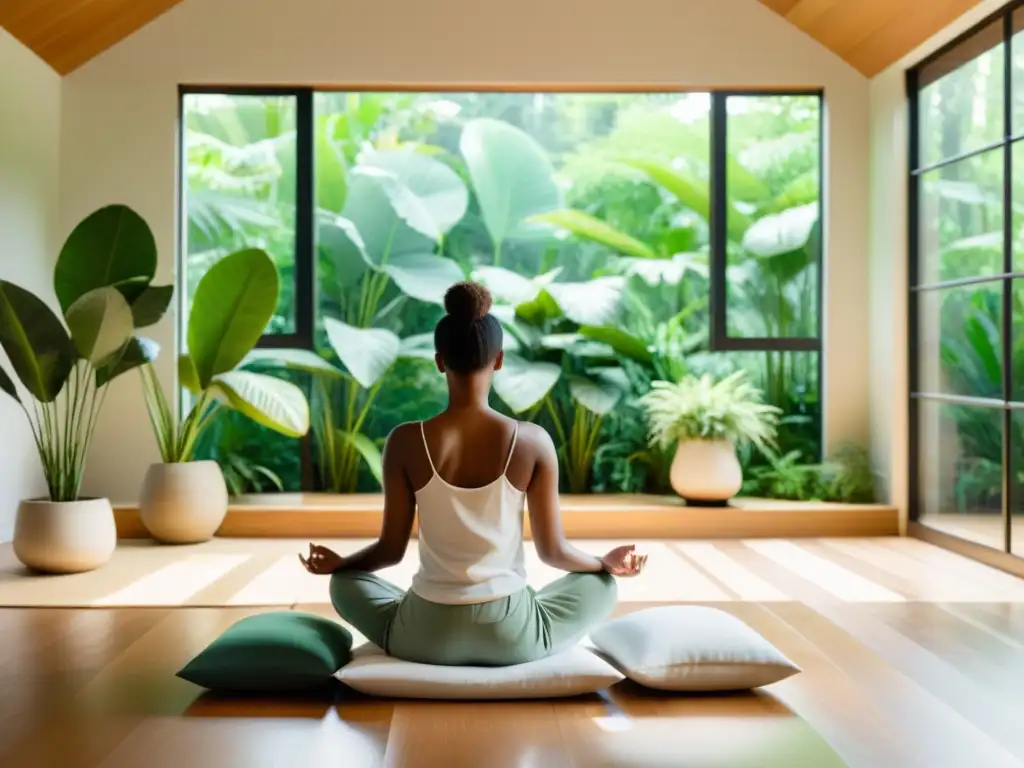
[587, 216]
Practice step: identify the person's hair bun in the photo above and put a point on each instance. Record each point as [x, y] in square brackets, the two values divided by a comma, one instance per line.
[467, 302]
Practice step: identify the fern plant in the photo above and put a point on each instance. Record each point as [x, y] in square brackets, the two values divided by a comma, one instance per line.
[700, 408]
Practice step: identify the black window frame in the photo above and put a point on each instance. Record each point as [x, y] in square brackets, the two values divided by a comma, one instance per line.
[1006, 277]
[719, 339]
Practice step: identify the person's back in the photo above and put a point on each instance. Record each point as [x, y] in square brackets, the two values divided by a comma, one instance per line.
[470, 528]
[470, 471]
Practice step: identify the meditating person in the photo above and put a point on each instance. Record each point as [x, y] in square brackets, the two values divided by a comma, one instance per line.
[470, 470]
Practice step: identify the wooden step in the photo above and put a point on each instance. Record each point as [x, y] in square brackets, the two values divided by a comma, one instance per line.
[611, 516]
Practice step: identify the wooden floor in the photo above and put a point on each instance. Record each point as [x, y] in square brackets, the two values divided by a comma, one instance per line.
[915, 677]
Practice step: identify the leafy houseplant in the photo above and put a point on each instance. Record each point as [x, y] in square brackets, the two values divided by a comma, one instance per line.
[706, 420]
[185, 501]
[102, 282]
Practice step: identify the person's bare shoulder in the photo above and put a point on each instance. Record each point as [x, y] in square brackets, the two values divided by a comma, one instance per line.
[536, 440]
[403, 438]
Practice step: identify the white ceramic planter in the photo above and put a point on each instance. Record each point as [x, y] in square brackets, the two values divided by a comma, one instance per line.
[64, 536]
[706, 472]
[183, 503]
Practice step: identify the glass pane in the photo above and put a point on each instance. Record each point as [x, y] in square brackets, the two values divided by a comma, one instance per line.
[961, 219]
[960, 344]
[960, 471]
[961, 99]
[774, 236]
[240, 182]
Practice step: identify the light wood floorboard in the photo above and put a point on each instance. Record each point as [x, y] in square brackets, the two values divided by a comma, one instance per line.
[912, 656]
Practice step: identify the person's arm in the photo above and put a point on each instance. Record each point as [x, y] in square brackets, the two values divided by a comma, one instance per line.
[546, 516]
[396, 529]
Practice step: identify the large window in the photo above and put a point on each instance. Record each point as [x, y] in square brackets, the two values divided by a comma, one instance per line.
[625, 237]
[967, 291]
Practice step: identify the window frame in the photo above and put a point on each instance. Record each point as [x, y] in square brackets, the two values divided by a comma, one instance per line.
[719, 339]
[1006, 277]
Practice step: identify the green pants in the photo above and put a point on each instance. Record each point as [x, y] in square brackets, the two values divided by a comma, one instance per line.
[516, 629]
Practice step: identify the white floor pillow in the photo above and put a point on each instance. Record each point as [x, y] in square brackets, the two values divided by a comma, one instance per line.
[573, 672]
[691, 648]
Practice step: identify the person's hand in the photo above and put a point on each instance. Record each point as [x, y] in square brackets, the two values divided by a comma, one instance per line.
[321, 561]
[624, 561]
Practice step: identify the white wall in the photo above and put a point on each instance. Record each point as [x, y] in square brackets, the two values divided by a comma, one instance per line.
[120, 111]
[888, 259]
[29, 144]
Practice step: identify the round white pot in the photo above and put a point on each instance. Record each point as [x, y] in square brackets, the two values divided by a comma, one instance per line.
[183, 503]
[64, 536]
[706, 472]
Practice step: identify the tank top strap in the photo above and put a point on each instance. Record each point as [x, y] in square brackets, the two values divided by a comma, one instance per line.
[511, 450]
[426, 448]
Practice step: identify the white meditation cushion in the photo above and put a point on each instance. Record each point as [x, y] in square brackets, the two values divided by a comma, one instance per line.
[572, 672]
[691, 648]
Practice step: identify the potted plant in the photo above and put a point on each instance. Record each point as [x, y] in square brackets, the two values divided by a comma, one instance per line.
[102, 282]
[185, 501]
[706, 420]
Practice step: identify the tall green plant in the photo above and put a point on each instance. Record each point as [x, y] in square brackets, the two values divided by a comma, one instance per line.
[233, 303]
[103, 284]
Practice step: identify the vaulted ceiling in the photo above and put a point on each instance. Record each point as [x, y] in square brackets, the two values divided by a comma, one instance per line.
[869, 34]
[67, 33]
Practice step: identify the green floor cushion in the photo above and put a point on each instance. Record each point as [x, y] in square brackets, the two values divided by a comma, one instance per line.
[273, 652]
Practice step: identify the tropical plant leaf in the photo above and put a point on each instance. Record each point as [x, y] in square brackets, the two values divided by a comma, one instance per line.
[382, 232]
[430, 197]
[781, 233]
[692, 193]
[188, 377]
[151, 305]
[507, 286]
[7, 384]
[591, 303]
[597, 394]
[295, 359]
[668, 271]
[419, 347]
[100, 322]
[138, 352]
[109, 246]
[588, 227]
[331, 169]
[423, 276]
[540, 310]
[521, 384]
[366, 448]
[231, 308]
[37, 344]
[340, 239]
[367, 353]
[512, 176]
[621, 341]
[274, 403]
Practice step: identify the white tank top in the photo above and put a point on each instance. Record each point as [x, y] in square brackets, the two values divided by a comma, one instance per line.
[470, 539]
